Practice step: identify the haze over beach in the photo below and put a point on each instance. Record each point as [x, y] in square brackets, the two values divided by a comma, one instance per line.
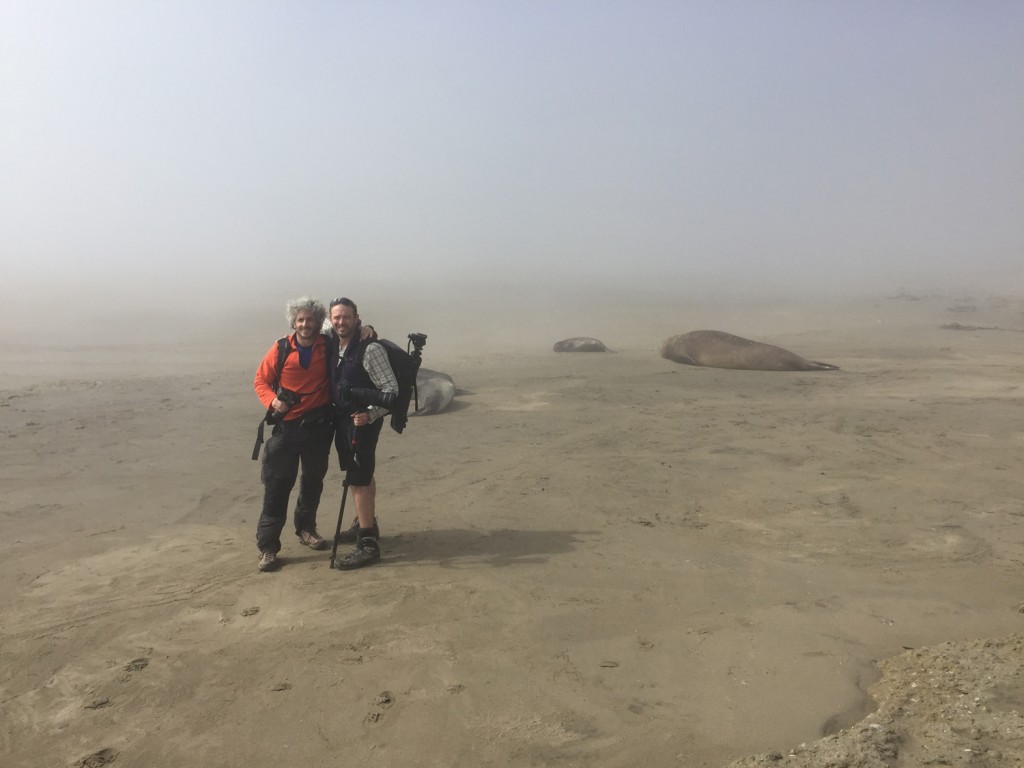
[588, 560]
[269, 149]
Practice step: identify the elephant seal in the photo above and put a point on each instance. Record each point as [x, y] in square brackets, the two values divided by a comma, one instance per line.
[434, 392]
[716, 349]
[580, 344]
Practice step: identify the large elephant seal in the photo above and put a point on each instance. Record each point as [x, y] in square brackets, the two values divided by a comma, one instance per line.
[716, 349]
[434, 392]
[580, 344]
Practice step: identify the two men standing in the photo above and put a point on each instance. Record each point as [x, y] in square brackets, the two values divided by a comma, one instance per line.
[311, 393]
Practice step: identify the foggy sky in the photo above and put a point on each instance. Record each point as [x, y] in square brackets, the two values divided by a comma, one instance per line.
[192, 146]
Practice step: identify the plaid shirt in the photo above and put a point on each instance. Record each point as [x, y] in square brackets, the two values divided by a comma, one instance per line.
[377, 367]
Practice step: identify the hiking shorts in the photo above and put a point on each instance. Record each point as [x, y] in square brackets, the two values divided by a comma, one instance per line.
[359, 460]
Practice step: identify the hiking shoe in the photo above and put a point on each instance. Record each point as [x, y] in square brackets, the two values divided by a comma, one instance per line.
[367, 551]
[312, 539]
[269, 561]
[351, 534]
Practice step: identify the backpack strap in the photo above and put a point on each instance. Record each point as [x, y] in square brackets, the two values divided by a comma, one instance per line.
[259, 440]
[284, 348]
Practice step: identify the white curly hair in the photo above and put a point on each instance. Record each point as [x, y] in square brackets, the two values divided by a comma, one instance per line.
[305, 304]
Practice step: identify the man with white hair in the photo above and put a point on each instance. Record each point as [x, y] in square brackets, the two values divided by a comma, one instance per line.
[297, 395]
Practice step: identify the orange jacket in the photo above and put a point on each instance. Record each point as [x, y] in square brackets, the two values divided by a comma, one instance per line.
[310, 383]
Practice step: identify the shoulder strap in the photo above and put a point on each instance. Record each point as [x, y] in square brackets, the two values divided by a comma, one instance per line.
[284, 348]
[330, 352]
[361, 349]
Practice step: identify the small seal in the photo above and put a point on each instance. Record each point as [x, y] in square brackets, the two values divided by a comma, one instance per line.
[580, 344]
[434, 392]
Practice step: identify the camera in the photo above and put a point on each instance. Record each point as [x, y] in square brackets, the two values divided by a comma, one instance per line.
[289, 398]
[368, 396]
[418, 340]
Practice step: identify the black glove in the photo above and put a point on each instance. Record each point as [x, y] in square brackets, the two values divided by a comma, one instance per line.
[368, 396]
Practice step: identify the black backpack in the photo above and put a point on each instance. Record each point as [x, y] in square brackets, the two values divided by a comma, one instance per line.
[405, 365]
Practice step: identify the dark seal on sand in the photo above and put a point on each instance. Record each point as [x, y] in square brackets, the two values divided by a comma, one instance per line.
[716, 349]
[580, 344]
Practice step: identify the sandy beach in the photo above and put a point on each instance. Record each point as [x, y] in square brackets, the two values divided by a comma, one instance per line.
[588, 559]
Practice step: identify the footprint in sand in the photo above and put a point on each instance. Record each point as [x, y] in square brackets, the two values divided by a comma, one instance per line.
[96, 759]
[384, 700]
[132, 666]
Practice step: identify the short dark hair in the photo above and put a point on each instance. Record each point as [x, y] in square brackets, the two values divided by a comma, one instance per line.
[346, 302]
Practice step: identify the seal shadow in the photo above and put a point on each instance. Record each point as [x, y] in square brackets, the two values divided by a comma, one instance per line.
[456, 405]
[465, 548]
[452, 407]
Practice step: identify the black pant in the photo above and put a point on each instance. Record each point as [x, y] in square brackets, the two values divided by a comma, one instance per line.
[306, 441]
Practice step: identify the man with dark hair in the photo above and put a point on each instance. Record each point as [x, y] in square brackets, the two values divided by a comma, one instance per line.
[363, 387]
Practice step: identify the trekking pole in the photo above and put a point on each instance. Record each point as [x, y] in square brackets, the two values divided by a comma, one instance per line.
[341, 513]
[344, 495]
